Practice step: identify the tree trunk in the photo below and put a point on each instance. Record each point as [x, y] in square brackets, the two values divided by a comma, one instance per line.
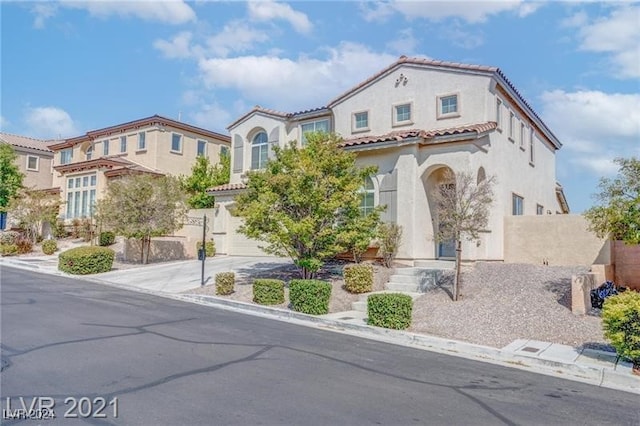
[456, 278]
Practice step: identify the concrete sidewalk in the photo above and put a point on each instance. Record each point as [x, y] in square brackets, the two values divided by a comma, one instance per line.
[170, 279]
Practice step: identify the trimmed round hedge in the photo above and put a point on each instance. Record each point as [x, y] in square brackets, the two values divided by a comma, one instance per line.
[358, 278]
[268, 291]
[49, 246]
[225, 283]
[106, 238]
[86, 260]
[310, 296]
[390, 310]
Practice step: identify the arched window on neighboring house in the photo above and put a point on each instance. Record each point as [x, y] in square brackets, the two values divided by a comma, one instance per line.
[259, 150]
[367, 197]
[89, 152]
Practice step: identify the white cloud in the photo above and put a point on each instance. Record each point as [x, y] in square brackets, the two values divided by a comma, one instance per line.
[212, 116]
[462, 38]
[3, 123]
[269, 10]
[236, 36]
[178, 47]
[594, 126]
[472, 11]
[617, 34]
[405, 43]
[173, 12]
[49, 123]
[293, 84]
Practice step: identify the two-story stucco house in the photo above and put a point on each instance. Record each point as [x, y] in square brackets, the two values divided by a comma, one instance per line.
[414, 120]
[34, 161]
[83, 165]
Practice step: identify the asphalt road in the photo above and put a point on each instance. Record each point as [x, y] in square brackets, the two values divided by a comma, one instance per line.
[174, 363]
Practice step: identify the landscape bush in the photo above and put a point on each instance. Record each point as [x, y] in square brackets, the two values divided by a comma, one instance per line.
[358, 278]
[310, 296]
[268, 291]
[390, 237]
[9, 237]
[8, 249]
[86, 260]
[24, 244]
[621, 323]
[49, 246]
[390, 310]
[225, 282]
[209, 247]
[106, 238]
[58, 229]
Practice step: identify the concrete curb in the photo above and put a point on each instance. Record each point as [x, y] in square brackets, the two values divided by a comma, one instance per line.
[613, 378]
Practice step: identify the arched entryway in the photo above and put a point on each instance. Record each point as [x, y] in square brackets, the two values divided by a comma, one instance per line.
[435, 177]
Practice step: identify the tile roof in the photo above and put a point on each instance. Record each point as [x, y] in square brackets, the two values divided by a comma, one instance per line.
[265, 111]
[227, 187]
[26, 142]
[400, 135]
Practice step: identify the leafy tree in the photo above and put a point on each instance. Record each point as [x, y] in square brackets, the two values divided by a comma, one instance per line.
[304, 201]
[617, 213]
[142, 206]
[358, 231]
[462, 207]
[10, 176]
[203, 176]
[33, 208]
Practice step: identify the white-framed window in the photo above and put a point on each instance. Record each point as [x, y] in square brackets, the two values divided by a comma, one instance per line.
[522, 135]
[123, 144]
[367, 197]
[360, 121]
[105, 147]
[33, 163]
[176, 143]
[142, 141]
[539, 209]
[313, 126]
[66, 155]
[532, 156]
[224, 150]
[499, 114]
[89, 152]
[517, 205]
[202, 148]
[259, 150]
[512, 125]
[81, 195]
[448, 106]
[402, 114]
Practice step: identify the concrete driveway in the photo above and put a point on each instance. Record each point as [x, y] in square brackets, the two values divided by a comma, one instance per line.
[177, 277]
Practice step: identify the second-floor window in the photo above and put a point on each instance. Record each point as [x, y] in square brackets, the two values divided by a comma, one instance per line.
[517, 205]
[402, 114]
[66, 155]
[224, 150]
[32, 162]
[259, 150]
[447, 106]
[105, 147]
[202, 148]
[367, 197]
[176, 143]
[314, 126]
[512, 124]
[498, 113]
[522, 135]
[539, 209]
[532, 157]
[142, 141]
[123, 144]
[361, 121]
[89, 152]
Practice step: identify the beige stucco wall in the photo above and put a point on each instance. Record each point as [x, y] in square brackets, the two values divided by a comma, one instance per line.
[558, 239]
[42, 177]
[627, 264]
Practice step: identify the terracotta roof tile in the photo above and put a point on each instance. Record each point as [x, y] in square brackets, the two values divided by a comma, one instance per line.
[25, 142]
[400, 135]
[227, 187]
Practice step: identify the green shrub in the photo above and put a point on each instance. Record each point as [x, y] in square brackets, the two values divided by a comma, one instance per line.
[25, 245]
[390, 310]
[59, 229]
[310, 296]
[268, 292]
[49, 246]
[8, 249]
[389, 236]
[106, 238]
[209, 247]
[86, 260]
[225, 282]
[9, 237]
[358, 278]
[621, 323]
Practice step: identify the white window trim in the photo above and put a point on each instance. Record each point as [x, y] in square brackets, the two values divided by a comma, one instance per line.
[206, 147]
[440, 115]
[499, 123]
[126, 144]
[181, 143]
[70, 157]
[532, 152]
[523, 131]
[394, 115]
[355, 129]
[37, 167]
[513, 195]
[512, 125]
[106, 147]
[319, 120]
[143, 149]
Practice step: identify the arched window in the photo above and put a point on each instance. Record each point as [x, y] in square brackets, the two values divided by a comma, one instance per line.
[89, 152]
[367, 197]
[259, 150]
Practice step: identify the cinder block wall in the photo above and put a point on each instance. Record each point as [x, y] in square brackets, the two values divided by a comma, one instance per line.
[558, 239]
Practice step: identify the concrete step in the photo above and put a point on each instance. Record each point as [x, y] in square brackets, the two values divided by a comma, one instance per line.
[402, 278]
[405, 271]
[402, 287]
[434, 264]
[360, 305]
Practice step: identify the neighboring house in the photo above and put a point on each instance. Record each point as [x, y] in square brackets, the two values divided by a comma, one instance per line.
[35, 161]
[156, 145]
[414, 120]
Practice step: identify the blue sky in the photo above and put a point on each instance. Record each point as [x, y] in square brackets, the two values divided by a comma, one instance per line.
[73, 66]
